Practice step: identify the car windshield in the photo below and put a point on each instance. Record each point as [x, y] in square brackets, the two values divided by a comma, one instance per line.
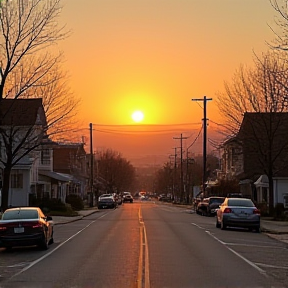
[105, 195]
[240, 202]
[107, 199]
[20, 214]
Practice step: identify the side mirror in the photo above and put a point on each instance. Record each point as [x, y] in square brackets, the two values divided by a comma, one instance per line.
[49, 218]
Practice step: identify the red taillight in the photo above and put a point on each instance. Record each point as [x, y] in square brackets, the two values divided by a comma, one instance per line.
[227, 210]
[256, 211]
[3, 228]
[33, 224]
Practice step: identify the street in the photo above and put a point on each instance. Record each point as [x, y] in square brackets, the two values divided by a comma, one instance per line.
[147, 244]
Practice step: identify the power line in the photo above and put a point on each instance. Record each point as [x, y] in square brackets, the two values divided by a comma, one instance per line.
[196, 138]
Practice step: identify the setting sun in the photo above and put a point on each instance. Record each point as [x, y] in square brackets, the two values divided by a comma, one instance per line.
[137, 116]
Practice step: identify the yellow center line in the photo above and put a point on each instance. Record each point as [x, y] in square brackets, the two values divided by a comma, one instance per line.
[143, 280]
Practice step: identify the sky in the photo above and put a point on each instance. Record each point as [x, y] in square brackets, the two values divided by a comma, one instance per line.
[155, 56]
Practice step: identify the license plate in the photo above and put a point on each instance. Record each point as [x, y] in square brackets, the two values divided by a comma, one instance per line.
[19, 230]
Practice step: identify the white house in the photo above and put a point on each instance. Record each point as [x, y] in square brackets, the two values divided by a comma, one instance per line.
[22, 128]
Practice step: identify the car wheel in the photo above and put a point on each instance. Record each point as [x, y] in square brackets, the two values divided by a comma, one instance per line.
[257, 229]
[222, 225]
[51, 241]
[44, 243]
[218, 225]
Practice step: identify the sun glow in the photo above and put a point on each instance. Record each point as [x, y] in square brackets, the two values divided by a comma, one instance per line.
[137, 116]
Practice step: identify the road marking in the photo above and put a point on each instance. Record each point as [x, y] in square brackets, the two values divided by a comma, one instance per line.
[194, 224]
[55, 249]
[271, 266]
[237, 254]
[143, 280]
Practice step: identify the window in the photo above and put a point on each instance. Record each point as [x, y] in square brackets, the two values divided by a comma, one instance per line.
[16, 180]
[45, 156]
[285, 200]
[20, 214]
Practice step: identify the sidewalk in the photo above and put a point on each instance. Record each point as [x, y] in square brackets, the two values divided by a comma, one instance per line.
[275, 229]
[82, 213]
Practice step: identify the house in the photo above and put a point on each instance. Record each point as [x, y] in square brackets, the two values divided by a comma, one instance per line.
[40, 168]
[48, 184]
[22, 128]
[258, 150]
[70, 160]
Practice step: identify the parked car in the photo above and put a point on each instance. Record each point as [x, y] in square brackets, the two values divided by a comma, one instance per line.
[208, 206]
[127, 197]
[118, 199]
[25, 226]
[105, 195]
[164, 198]
[238, 212]
[107, 203]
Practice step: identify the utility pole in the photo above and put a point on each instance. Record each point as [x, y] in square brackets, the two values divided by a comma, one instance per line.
[174, 172]
[204, 139]
[181, 165]
[91, 166]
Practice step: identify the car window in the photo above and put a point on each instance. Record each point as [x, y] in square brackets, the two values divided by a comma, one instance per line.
[240, 202]
[107, 199]
[216, 200]
[20, 214]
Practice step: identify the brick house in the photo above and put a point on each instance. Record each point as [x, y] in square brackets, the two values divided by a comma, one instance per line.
[71, 160]
[258, 150]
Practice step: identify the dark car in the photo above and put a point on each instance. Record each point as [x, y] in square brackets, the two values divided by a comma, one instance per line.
[238, 212]
[107, 202]
[25, 226]
[208, 206]
[127, 198]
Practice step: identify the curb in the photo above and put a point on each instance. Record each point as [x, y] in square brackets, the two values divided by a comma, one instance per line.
[75, 218]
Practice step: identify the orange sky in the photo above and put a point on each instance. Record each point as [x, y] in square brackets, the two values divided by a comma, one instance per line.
[155, 56]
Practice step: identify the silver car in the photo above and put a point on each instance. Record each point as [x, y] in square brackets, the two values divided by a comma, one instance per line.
[238, 212]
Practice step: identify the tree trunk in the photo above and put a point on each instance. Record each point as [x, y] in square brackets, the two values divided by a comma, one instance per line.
[271, 195]
[5, 188]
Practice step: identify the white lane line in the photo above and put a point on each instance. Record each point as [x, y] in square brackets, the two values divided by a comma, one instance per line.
[237, 254]
[55, 249]
[250, 245]
[271, 266]
[194, 224]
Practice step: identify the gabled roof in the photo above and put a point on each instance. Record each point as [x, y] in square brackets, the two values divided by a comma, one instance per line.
[22, 112]
[258, 123]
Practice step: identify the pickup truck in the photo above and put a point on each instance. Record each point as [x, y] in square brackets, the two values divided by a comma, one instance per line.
[209, 205]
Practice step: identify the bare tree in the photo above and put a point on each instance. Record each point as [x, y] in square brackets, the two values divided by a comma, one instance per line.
[116, 170]
[262, 90]
[281, 31]
[28, 70]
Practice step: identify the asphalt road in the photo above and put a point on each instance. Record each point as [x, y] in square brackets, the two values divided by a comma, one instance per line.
[143, 245]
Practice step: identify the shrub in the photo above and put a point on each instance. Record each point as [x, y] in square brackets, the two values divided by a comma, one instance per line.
[264, 209]
[47, 204]
[75, 201]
